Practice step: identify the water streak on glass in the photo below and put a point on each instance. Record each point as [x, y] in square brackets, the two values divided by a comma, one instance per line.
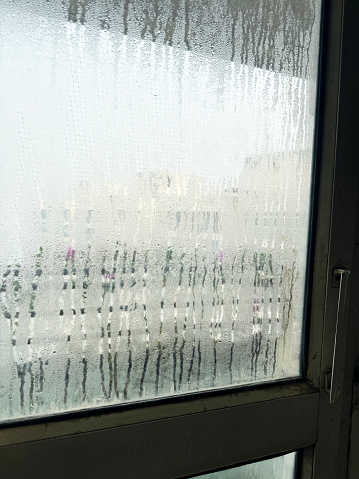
[156, 161]
[281, 467]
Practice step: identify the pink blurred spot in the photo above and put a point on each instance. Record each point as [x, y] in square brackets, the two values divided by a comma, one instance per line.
[70, 253]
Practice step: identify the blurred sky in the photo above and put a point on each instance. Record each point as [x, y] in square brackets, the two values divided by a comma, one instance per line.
[81, 104]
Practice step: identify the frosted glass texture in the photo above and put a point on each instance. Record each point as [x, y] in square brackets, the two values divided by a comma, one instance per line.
[155, 184]
[282, 467]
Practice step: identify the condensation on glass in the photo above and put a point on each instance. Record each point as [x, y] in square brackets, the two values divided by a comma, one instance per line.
[156, 163]
[281, 467]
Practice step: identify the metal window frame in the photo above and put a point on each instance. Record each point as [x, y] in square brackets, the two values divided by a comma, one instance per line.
[182, 436]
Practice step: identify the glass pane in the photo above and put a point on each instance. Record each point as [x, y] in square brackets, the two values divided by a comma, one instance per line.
[155, 195]
[282, 467]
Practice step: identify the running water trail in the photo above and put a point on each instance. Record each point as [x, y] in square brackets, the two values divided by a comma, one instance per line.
[83, 299]
[69, 321]
[175, 319]
[122, 310]
[166, 272]
[130, 309]
[193, 279]
[144, 304]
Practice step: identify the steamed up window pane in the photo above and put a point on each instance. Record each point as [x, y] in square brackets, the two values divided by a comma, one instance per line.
[282, 467]
[156, 163]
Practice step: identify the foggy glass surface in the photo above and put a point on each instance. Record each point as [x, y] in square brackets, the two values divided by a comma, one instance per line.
[281, 467]
[156, 162]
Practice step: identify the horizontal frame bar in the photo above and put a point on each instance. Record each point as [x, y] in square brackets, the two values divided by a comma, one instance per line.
[129, 414]
[175, 447]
